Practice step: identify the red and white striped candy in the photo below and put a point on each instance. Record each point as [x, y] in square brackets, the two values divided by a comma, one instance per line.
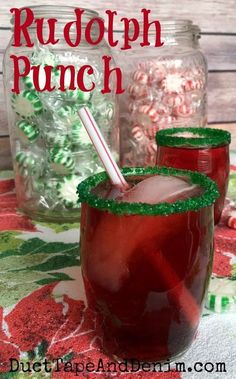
[151, 131]
[140, 77]
[137, 133]
[137, 91]
[166, 120]
[173, 83]
[150, 160]
[157, 74]
[195, 72]
[183, 110]
[148, 114]
[151, 148]
[151, 151]
[232, 220]
[173, 100]
[162, 109]
[192, 85]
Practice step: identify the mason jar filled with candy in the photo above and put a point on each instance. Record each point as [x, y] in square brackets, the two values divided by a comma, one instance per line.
[165, 87]
[51, 150]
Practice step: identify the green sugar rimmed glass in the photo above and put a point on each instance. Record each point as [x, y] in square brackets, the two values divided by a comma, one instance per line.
[146, 267]
[205, 150]
[206, 199]
[201, 137]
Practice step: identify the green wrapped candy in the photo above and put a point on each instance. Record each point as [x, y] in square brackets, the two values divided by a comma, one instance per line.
[221, 295]
[67, 190]
[27, 104]
[26, 131]
[61, 161]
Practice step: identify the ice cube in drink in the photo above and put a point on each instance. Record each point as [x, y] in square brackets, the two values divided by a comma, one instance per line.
[159, 188]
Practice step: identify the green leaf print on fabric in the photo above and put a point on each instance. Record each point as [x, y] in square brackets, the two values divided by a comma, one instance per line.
[58, 228]
[26, 265]
[11, 293]
[57, 262]
[37, 246]
[9, 239]
[59, 276]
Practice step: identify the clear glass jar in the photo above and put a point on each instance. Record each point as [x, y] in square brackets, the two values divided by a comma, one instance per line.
[51, 150]
[165, 87]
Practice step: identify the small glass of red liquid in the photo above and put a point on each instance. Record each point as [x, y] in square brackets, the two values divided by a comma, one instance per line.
[146, 267]
[205, 150]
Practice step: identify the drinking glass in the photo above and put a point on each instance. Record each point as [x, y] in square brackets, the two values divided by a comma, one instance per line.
[205, 150]
[146, 267]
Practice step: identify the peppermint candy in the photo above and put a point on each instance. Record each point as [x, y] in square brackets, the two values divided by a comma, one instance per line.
[221, 295]
[183, 110]
[26, 131]
[151, 131]
[173, 100]
[173, 83]
[140, 77]
[136, 91]
[79, 135]
[61, 161]
[137, 133]
[77, 96]
[53, 139]
[28, 163]
[147, 115]
[67, 190]
[27, 104]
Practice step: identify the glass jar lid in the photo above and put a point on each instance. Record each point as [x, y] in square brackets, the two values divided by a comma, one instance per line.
[63, 13]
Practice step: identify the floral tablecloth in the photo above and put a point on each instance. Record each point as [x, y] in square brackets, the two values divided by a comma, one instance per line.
[42, 303]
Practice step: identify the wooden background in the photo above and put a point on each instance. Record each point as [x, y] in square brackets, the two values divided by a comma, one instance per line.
[217, 20]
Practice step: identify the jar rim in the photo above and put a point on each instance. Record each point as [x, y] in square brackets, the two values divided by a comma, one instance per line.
[64, 12]
[172, 26]
[202, 137]
[204, 200]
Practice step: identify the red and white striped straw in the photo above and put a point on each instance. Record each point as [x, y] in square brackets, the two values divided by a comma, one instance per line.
[102, 149]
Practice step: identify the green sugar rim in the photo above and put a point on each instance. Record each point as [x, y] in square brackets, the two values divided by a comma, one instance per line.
[163, 209]
[212, 137]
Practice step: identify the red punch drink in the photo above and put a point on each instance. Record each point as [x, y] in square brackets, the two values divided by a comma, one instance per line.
[146, 259]
[198, 149]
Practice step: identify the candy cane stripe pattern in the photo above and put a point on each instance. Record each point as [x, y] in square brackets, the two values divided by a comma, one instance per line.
[151, 131]
[137, 132]
[164, 92]
[192, 85]
[157, 74]
[173, 100]
[140, 77]
[148, 114]
[137, 91]
[183, 111]
[151, 148]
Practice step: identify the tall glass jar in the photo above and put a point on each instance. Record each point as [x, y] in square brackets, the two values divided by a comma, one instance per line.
[51, 150]
[165, 87]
